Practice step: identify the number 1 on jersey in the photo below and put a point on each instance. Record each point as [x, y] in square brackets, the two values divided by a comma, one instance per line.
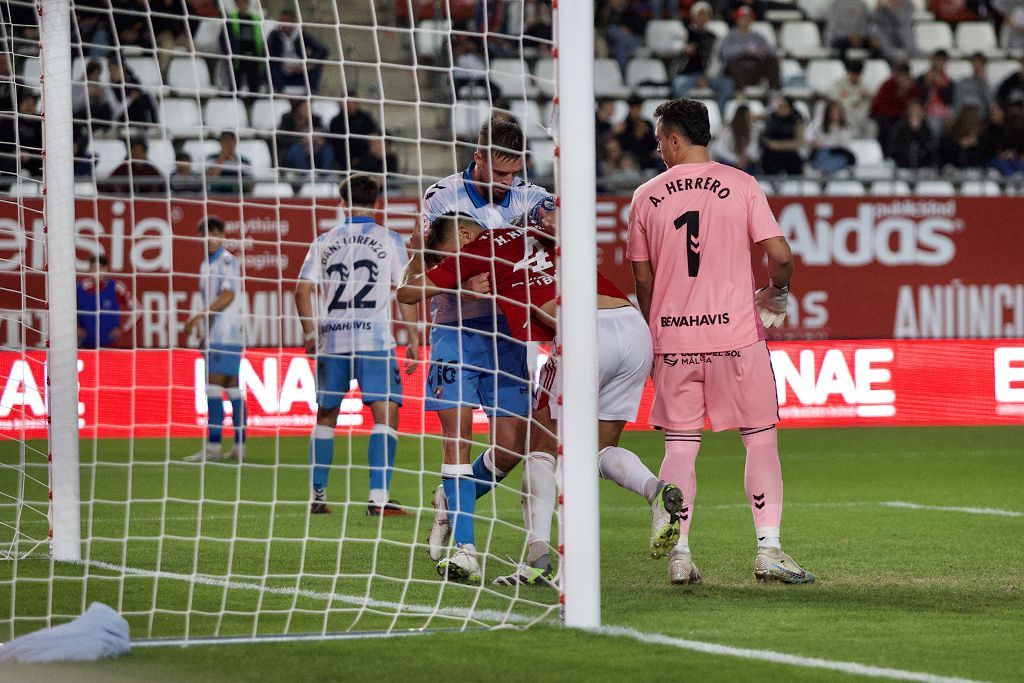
[691, 219]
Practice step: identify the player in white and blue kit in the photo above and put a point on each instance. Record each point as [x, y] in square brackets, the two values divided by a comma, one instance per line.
[220, 289]
[474, 361]
[354, 266]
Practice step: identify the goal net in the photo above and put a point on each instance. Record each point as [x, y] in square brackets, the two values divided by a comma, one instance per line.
[251, 113]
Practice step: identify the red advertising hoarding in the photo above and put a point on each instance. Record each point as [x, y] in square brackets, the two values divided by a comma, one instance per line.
[160, 393]
[866, 268]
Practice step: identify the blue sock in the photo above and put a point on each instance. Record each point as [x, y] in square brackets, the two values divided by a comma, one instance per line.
[237, 413]
[392, 439]
[322, 454]
[483, 478]
[215, 412]
[460, 491]
[377, 457]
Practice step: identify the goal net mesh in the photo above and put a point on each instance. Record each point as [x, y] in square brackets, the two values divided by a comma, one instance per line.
[252, 113]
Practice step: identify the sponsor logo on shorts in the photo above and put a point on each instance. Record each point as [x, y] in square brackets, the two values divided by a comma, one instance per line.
[694, 320]
[673, 359]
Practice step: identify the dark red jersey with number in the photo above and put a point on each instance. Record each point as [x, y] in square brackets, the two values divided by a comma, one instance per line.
[521, 264]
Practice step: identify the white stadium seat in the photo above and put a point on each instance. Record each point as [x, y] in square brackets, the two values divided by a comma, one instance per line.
[180, 117]
[766, 187]
[933, 35]
[815, 9]
[934, 188]
[109, 155]
[199, 150]
[189, 76]
[976, 36]
[527, 113]
[802, 39]
[267, 113]
[146, 69]
[999, 71]
[258, 154]
[225, 113]
[273, 191]
[467, 117]
[30, 70]
[876, 72]
[981, 188]
[719, 28]
[822, 74]
[766, 30]
[608, 79]
[326, 108]
[958, 69]
[542, 155]
[844, 188]
[512, 78]
[161, 153]
[891, 188]
[867, 152]
[641, 71]
[430, 37]
[714, 116]
[319, 190]
[798, 188]
[757, 109]
[665, 37]
[544, 76]
[85, 189]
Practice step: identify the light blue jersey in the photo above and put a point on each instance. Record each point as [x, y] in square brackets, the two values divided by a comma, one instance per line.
[219, 273]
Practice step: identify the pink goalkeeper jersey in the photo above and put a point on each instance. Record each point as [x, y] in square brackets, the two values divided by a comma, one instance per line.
[695, 223]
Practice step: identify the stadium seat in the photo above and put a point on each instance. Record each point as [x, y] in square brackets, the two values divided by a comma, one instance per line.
[225, 113]
[921, 12]
[78, 69]
[822, 74]
[319, 190]
[867, 152]
[756, 107]
[208, 35]
[816, 10]
[999, 71]
[467, 115]
[147, 70]
[258, 154]
[876, 72]
[85, 189]
[161, 153]
[326, 108]
[934, 188]
[976, 36]
[648, 107]
[272, 191]
[802, 40]
[512, 78]
[792, 74]
[608, 79]
[189, 76]
[109, 155]
[430, 38]
[718, 27]
[180, 117]
[23, 187]
[891, 188]
[647, 77]
[766, 187]
[958, 69]
[766, 30]
[665, 37]
[267, 113]
[981, 188]
[714, 115]
[199, 150]
[527, 113]
[798, 188]
[542, 156]
[30, 71]
[844, 188]
[933, 35]
[544, 76]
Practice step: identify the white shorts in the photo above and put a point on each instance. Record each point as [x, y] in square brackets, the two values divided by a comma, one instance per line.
[624, 357]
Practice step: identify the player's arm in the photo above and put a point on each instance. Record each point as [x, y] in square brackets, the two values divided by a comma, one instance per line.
[643, 275]
[410, 314]
[304, 307]
[773, 299]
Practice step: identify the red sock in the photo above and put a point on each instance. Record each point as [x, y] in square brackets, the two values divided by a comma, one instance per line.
[762, 479]
[679, 468]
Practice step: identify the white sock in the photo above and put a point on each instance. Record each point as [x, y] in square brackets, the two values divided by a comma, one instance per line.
[768, 537]
[625, 469]
[539, 495]
[682, 545]
[379, 497]
[213, 446]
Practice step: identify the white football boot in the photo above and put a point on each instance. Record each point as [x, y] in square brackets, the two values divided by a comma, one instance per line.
[461, 566]
[237, 453]
[668, 502]
[771, 564]
[682, 571]
[210, 452]
[441, 529]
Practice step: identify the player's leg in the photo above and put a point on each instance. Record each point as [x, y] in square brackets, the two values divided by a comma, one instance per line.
[332, 381]
[457, 503]
[381, 384]
[216, 362]
[232, 369]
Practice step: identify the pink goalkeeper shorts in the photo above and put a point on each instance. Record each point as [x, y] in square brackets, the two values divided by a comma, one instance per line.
[732, 389]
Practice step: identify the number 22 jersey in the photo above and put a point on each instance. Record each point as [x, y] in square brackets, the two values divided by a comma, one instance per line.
[354, 266]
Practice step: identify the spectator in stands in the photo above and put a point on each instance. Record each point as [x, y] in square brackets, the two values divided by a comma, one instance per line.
[637, 136]
[937, 91]
[92, 27]
[626, 23]
[107, 309]
[1011, 90]
[911, 143]
[1003, 142]
[694, 64]
[244, 42]
[351, 131]
[132, 24]
[953, 11]
[170, 27]
[891, 100]
[782, 140]
[848, 25]
[296, 126]
[136, 175]
[84, 160]
[469, 68]
[605, 125]
[960, 143]
[7, 84]
[538, 25]
[747, 56]
[377, 159]
[851, 94]
[974, 89]
[614, 161]
[294, 55]
[892, 26]
[227, 171]
[756, 7]
[93, 100]
[737, 144]
[21, 140]
[183, 179]
[829, 137]
[1013, 22]
[310, 153]
[133, 106]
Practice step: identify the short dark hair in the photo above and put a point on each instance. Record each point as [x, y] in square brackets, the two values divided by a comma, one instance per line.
[359, 189]
[502, 138]
[227, 133]
[855, 66]
[93, 66]
[183, 156]
[438, 233]
[211, 224]
[687, 117]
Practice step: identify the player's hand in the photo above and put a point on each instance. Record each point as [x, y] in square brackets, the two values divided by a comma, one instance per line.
[772, 302]
[310, 346]
[191, 325]
[412, 354]
[477, 286]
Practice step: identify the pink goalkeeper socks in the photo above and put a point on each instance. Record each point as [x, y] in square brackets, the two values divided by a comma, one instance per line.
[679, 468]
[762, 478]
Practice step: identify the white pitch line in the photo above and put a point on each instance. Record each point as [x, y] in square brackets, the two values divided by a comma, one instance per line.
[904, 505]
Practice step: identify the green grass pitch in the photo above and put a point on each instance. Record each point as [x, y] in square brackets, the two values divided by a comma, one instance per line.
[911, 588]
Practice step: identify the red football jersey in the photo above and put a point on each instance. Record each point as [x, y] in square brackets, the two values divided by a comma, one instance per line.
[522, 269]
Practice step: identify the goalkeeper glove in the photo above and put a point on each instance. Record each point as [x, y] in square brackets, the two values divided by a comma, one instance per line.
[772, 303]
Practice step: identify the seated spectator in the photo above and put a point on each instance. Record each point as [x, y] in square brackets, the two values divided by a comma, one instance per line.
[171, 28]
[892, 99]
[605, 125]
[695, 63]
[84, 160]
[133, 105]
[376, 159]
[974, 89]
[626, 23]
[94, 101]
[960, 144]
[953, 11]
[829, 138]
[351, 132]
[21, 140]
[8, 99]
[469, 68]
[756, 7]
[892, 27]
[637, 136]
[131, 21]
[183, 179]
[296, 126]
[848, 25]
[851, 94]
[293, 55]
[782, 140]
[92, 27]
[613, 160]
[226, 171]
[737, 144]
[310, 153]
[137, 175]
[538, 25]
[244, 44]
[1011, 90]
[1013, 23]
[911, 143]
[1003, 142]
[747, 56]
[107, 309]
[937, 91]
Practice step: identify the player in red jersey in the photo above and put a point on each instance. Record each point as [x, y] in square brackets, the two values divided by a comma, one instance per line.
[521, 277]
[690, 230]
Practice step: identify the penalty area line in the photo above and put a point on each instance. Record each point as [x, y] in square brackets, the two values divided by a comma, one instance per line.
[904, 505]
[854, 668]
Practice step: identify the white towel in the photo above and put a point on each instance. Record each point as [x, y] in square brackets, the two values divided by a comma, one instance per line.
[99, 633]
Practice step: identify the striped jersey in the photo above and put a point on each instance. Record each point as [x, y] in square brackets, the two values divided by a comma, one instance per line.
[221, 273]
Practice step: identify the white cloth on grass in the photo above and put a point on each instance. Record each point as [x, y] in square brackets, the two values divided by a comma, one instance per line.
[99, 633]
